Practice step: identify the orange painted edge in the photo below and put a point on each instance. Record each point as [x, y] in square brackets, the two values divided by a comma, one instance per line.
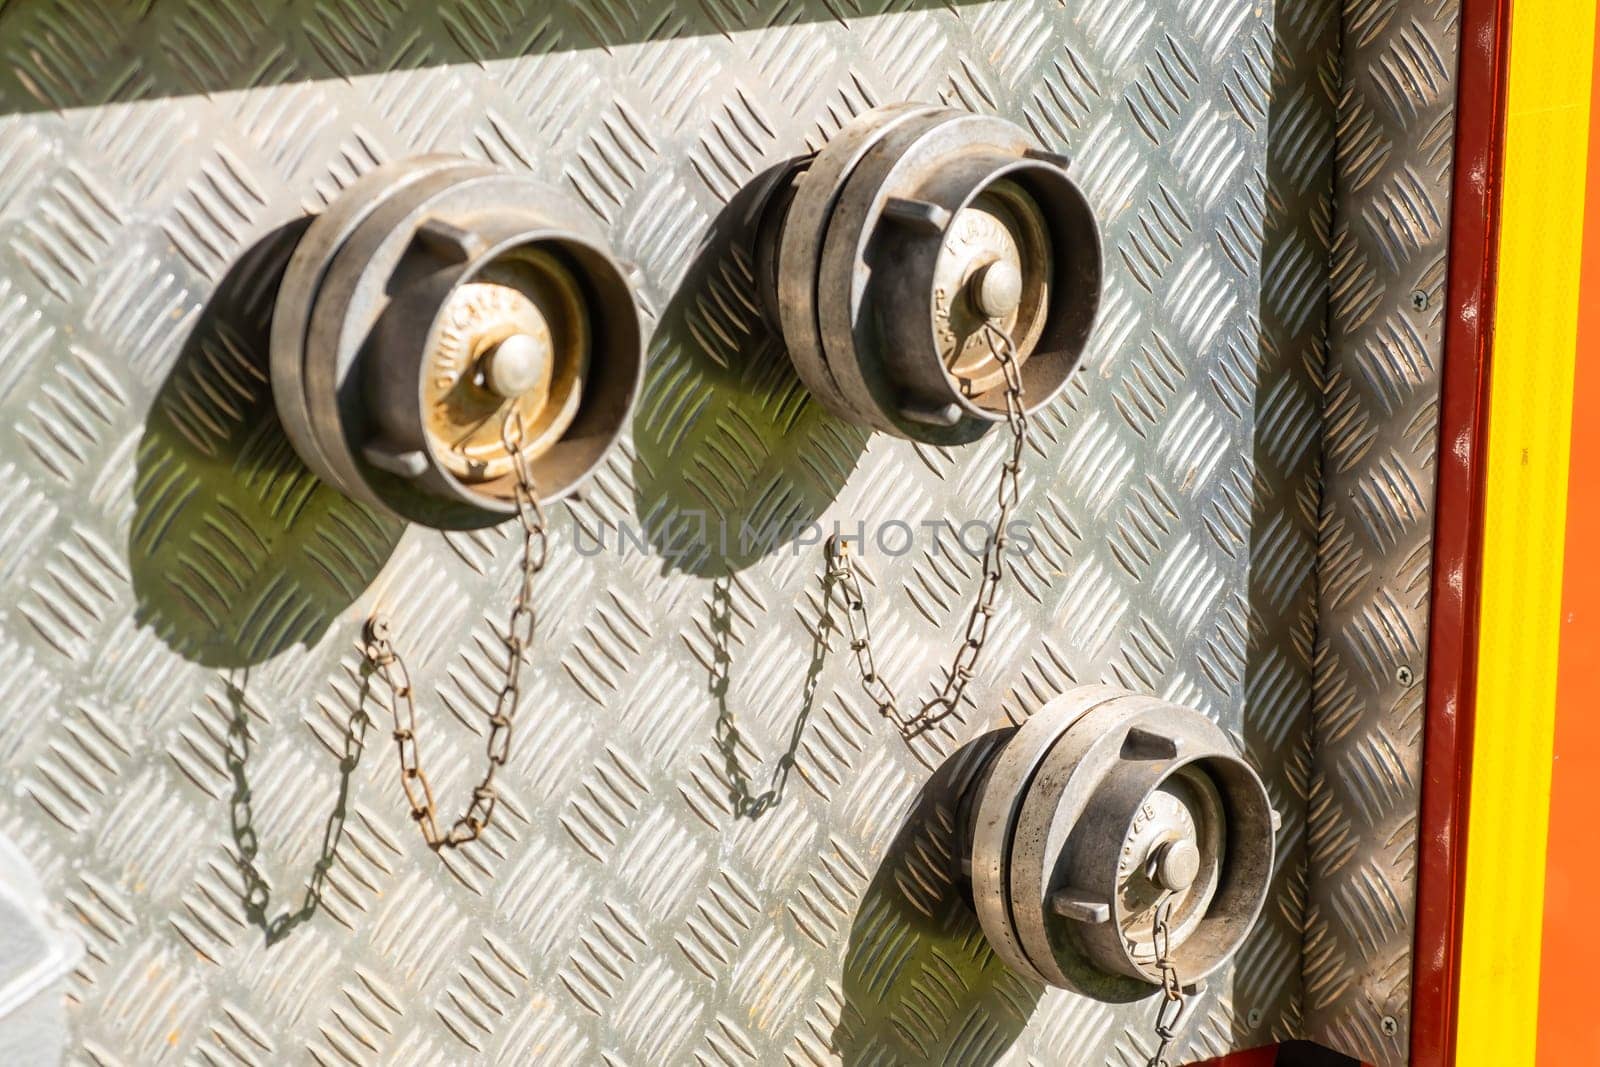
[1569, 1031]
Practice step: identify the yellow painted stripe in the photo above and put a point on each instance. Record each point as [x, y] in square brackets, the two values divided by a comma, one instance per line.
[1530, 418]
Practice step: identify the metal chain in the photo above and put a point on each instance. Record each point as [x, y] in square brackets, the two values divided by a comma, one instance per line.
[1008, 490]
[1170, 1013]
[386, 662]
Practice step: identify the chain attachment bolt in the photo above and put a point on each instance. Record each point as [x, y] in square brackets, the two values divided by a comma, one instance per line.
[997, 288]
[1177, 865]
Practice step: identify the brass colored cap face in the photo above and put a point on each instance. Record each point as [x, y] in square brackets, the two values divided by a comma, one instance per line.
[512, 342]
[994, 266]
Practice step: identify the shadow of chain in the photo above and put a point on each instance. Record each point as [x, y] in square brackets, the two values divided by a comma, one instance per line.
[256, 893]
[741, 785]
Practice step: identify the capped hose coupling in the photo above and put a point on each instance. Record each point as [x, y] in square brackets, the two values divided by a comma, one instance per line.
[1100, 810]
[439, 314]
[892, 259]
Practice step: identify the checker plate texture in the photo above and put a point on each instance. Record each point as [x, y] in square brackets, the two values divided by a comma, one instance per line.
[180, 600]
[1386, 336]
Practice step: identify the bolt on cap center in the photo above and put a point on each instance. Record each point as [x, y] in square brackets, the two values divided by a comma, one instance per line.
[516, 365]
[997, 288]
[1177, 865]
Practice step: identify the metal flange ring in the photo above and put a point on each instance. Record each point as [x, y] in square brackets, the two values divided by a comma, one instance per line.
[1063, 789]
[302, 280]
[995, 816]
[803, 230]
[346, 305]
[848, 269]
[1224, 819]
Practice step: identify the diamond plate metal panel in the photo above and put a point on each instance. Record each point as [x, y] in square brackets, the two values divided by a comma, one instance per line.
[1374, 554]
[181, 599]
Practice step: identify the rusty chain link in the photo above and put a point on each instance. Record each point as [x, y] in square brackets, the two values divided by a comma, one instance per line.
[386, 662]
[840, 574]
[1170, 1012]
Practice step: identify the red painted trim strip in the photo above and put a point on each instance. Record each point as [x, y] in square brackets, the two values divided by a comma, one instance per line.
[1571, 939]
[1463, 433]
